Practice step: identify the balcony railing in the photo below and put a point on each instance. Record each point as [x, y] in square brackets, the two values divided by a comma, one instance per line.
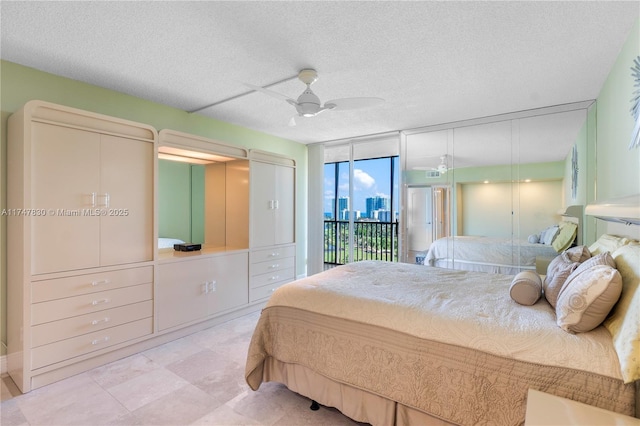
[372, 241]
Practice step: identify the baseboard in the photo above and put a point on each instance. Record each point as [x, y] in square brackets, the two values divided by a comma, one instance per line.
[3, 364]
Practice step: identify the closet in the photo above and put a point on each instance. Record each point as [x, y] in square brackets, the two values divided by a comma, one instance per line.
[80, 237]
[272, 256]
[89, 279]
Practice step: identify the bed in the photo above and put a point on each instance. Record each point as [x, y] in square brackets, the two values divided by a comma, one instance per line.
[389, 343]
[506, 255]
[487, 254]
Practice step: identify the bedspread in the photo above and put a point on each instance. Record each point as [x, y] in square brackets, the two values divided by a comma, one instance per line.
[449, 343]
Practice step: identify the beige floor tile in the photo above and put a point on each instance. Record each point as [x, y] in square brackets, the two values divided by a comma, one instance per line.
[146, 388]
[123, 370]
[179, 407]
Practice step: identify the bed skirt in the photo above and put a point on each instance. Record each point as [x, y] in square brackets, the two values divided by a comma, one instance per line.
[357, 404]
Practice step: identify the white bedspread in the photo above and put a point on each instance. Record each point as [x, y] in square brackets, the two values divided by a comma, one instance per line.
[487, 251]
[455, 307]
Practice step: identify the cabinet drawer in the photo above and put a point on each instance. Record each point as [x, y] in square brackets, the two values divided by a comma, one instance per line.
[264, 292]
[284, 275]
[272, 254]
[71, 327]
[69, 348]
[272, 266]
[42, 291]
[79, 305]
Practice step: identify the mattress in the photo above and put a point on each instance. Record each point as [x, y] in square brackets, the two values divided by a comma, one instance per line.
[486, 254]
[451, 344]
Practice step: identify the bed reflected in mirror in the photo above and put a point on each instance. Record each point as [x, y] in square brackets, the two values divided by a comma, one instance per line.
[508, 181]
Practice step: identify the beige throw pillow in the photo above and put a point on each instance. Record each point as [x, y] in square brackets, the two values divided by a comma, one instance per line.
[624, 321]
[578, 253]
[558, 271]
[587, 297]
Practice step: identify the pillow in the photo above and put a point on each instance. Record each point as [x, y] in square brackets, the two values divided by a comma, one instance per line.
[534, 239]
[609, 243]
[578, 253]
[599, 259]
[564, 237]
[558, 271]
[548, 234]
[624, 323]
[587, 297]
[526, 288]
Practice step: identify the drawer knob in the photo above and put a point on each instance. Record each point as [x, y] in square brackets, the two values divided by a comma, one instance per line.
[98, 341]
[98, 321]
[99, 302]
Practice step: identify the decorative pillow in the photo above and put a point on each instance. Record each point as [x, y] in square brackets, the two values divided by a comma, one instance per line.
[558, 271]
[526, 288]
[599, 259]
[548, 234]
[578, 253]
[564, 238]
[534, 238]
[587, 297]
[624, 321]
[609, 243]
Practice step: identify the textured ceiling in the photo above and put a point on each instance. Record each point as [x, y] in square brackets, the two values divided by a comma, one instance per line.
[433, 62]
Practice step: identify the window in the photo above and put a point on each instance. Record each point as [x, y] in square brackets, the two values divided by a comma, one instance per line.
[361, 210]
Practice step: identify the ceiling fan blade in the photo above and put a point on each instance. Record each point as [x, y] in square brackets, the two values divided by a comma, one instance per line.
[271, 93]
[352, 103]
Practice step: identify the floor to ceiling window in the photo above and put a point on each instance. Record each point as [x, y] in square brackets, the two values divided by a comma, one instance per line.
[361, 214]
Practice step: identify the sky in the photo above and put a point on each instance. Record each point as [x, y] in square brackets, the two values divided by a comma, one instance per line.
[370, 179]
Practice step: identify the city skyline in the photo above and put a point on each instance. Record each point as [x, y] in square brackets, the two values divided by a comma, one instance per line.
[371, 179]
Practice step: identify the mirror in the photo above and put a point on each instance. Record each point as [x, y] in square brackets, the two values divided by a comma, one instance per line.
[509, 178]
[202, 198]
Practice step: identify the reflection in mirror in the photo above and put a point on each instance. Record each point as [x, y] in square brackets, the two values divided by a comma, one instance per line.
[202, 198]
[509, 180]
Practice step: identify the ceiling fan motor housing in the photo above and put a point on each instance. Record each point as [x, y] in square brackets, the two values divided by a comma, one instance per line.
[308, 103]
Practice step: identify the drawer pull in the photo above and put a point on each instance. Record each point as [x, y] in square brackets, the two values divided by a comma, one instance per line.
[98, 341]
[101, 282]
[275, 254]
[275, 277]
[274, 266]
[99, 302]
[98, 321]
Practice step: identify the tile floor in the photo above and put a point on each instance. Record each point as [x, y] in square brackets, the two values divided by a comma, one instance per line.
[196, 380]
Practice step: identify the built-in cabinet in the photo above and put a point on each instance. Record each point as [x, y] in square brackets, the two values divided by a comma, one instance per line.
[272, 256]
[81, 232]
[87, 281]
[196, 287]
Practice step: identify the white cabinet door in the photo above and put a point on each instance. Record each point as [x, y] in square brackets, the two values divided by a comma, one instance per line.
[181, 292]
[285, 207]
[230, 278]
[126, 195]
[272, 204]
[65, 179]
[193, 290]
[262, 196]
[97, 193]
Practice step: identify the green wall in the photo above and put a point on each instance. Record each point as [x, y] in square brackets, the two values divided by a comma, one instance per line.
[20, 84]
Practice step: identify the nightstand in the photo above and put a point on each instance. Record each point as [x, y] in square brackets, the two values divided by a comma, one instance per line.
[546, 409]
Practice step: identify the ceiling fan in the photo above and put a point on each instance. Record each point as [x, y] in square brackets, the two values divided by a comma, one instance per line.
[308, 104]
[442, 168]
